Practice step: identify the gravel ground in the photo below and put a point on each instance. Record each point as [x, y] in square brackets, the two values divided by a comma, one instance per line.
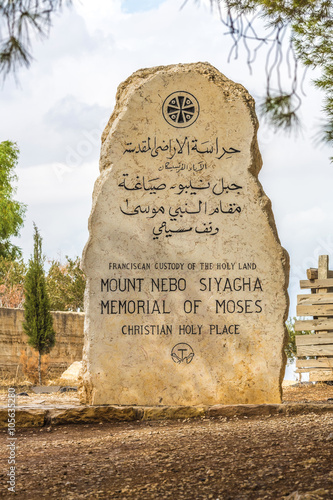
[239, 458]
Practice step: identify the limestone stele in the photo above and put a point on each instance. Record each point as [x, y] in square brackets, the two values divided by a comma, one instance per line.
[186, 296]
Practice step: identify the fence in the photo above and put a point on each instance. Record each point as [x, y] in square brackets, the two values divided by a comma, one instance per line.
[319, 305]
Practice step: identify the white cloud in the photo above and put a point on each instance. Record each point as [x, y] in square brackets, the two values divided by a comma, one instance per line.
[55, 183]
[315, 215]
[143, 5]
[70, 114]
[58, 201]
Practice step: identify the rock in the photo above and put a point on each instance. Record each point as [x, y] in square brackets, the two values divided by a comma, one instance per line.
[71, 375]
[186, 296]
[96, 414]
[23, 394]
[172, 412]
[89, 414]
[23, 418]
[67, 389]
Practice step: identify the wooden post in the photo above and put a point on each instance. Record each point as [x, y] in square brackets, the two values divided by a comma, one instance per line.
[318, 304]
[323, 274]
[323, 267]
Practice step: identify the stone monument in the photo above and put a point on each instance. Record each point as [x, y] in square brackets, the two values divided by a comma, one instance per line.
[186, 296]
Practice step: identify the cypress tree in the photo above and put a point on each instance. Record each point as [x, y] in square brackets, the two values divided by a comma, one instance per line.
[38, 324]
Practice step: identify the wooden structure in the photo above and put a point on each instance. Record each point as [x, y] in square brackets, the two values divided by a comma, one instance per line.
[319, 305]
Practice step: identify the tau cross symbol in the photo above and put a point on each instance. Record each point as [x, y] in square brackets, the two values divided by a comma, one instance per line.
[182, 353]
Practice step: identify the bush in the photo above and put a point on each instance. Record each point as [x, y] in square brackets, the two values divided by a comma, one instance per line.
[29, 365]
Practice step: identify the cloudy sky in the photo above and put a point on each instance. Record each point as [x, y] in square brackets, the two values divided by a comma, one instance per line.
[59, 107]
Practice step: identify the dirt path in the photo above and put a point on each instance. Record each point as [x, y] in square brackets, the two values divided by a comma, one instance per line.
[221, 459]
[206, 459]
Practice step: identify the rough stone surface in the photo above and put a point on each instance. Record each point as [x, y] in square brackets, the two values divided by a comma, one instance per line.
[72, 373]
[172, 412]
[23, 418]
[32, 417]
[186, 294]
[90, 415]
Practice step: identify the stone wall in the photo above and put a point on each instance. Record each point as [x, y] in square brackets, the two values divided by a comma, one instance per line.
[13, 341]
